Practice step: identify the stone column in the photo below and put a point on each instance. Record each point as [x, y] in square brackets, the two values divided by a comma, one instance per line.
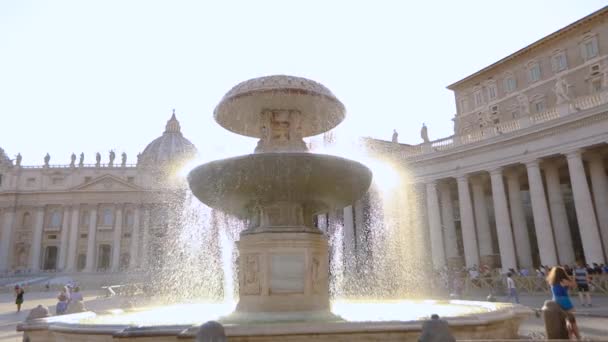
[116, 239]
[36, 245]
[503, 222]
[91, 241]
[447, 216]
[587, 224]
[133, 250]
[63, 239]
[467, 223]
[7, 224]
[559, 218]
[520, 226]
[73, 244]
[482, 222]
[599, 184]
[434, 217]
[145, 241]
[542, 222]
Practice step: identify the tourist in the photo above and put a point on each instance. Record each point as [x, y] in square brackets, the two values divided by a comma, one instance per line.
[568, 270]
[76, 295]
[19, 292]
[63, 300]
[581, 276]
[512, 290]
[560, 282]
[436, 330]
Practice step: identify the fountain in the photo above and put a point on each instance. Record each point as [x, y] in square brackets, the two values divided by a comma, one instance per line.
[283, 263]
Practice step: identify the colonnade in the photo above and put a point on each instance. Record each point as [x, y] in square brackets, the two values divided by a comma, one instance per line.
[70, 233]
[551, 226]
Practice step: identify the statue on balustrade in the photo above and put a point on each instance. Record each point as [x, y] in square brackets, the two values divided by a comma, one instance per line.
[81, 161]
[18, 159]
[123, 161]
[112, 157]
[424, 133]
[73, 160]
[97, 159]
[47, 158]
[395, 137]
[561, 91]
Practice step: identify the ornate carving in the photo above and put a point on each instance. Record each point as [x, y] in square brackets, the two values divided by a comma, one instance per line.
[316, 275]
[251, 284]
[561, 91]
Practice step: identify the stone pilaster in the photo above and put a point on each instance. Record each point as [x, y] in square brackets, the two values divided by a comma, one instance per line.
[36, 247]
[116, 239]
[587, 223]
[434, 217]
[133, 250]
[145, 240]
[503, 222]
[73, 243]
[63, 239]
[6, 237]
[91, 241]
[518, 218]
[542, 222]
[469, 239]
[599, 184]
[559, 218]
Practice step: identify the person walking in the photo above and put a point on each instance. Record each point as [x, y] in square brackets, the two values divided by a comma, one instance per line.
[581, 277]
[560, 282]
[511, 288]
[19, 292]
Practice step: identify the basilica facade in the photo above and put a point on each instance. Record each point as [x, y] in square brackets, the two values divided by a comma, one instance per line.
[88, 217]
[522, 181]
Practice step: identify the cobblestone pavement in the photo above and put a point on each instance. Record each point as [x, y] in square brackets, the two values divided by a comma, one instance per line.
[593, 321]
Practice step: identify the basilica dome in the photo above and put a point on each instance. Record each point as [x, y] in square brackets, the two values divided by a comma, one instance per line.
[169, 148]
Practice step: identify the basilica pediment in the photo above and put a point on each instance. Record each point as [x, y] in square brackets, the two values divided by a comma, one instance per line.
[107, 183]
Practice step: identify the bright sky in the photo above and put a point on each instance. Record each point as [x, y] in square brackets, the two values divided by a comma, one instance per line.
[87, 76]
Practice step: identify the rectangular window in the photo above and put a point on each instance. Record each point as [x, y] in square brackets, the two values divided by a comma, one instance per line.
[126, 235]
[559, 62]
[534, 73]
[464, 107]
[492, 92]
[130, 179]
[478, 97]
[52, 237]
[30, 181]
[84, 236]
[57, 181]
[87, 179]
[590, 48]
[510, 84]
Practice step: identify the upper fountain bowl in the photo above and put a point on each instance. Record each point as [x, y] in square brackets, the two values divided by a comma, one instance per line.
[239, 110]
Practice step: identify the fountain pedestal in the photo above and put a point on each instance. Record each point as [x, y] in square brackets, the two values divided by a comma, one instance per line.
[283, 274]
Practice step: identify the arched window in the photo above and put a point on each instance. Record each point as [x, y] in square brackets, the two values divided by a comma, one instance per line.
[55, 219]
[26, 220]
[108, 218]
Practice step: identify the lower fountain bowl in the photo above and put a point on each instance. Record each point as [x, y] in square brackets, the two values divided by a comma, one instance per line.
[395, 321]
[316, 181]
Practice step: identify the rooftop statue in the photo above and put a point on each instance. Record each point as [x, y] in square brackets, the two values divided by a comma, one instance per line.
[47, 158]
[97, 159]
[73, 160]
[123, 161]
[424, 134]
[18, 159]
[395, 137]
[112, 157]
[81, 161]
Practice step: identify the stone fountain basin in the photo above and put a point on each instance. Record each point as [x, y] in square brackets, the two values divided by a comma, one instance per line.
[496, 321]
[317, 181]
